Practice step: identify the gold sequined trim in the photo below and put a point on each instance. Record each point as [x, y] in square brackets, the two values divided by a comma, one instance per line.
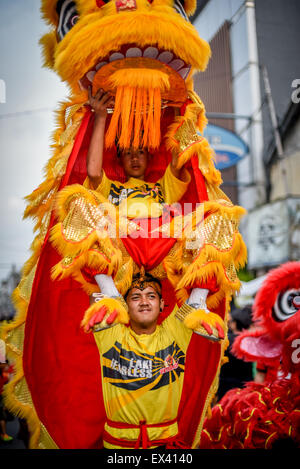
[186, 135]
[15, 339]
[46, 442]
[217, 230]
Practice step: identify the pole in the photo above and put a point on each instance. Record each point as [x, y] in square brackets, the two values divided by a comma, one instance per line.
[274, 121]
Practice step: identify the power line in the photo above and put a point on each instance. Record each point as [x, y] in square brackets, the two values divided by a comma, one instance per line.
[252, 117]
[24, 113]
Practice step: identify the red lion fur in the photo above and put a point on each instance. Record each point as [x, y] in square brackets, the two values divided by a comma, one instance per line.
[263, 415]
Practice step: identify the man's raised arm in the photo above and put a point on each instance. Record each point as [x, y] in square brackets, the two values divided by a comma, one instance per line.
[99, 104]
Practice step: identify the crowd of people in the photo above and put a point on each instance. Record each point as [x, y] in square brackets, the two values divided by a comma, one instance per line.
[5, 373]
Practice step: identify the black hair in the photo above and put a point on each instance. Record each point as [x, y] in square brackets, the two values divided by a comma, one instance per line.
[146, 278]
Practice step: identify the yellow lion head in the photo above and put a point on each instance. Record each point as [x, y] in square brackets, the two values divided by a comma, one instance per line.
[143, 52]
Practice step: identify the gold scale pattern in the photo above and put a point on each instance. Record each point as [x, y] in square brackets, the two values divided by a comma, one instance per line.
[82, 219]
[186, 135]
[15, 339]
[217, 230]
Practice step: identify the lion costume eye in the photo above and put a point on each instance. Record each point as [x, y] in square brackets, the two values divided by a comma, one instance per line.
[68, 17]
[286, 305]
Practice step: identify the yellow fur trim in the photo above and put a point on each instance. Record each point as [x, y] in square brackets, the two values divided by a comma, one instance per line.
[158, 25]
[48, 43]
[103, 257]
[36, 247]
[141, 78]
[19, 409]
[206, 158]
[182, 139]
[66, 247]
[194, 113]
[88, 288]
[111, 305]
[195, 319]
[123, 277]
[203, 274]
[49, 14]
[48, 10]
[210, 256]
[66, 196]
[190, 6]
[224, 207]
[41, 201]
[69, 266]
[14, 354]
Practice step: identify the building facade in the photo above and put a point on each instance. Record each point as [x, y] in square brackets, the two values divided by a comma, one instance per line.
[255, 69]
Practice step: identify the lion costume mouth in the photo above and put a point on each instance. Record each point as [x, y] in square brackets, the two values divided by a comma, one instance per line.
[146, 78]
[165, 57]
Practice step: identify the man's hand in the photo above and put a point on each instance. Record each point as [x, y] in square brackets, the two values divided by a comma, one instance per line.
[202, 321]
[100, 102]
[104, 312]
[212, 323]
[102, 318]
[99, 105]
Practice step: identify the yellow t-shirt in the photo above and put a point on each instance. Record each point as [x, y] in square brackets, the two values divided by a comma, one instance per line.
[142, 377]
[140, 199]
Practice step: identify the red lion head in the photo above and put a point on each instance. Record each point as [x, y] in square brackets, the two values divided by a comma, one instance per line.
[276, 312]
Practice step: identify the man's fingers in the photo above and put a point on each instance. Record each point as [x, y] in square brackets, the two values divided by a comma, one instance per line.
[106, 100]
[111, 100]
[90, 92]
[99, 93]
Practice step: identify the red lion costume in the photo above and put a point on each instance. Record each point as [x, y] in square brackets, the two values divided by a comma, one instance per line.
[265, 415]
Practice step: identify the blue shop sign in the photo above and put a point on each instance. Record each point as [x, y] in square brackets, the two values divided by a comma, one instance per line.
[229, 148]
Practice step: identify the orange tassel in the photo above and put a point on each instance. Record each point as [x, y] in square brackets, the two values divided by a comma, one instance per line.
[112, 130]
[148, 113]
[145, 105]
[157, 114]
[137, 113]
[126, 116]
[138, 119]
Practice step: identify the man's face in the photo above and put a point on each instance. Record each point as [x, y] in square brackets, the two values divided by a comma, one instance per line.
[144, 307]
[135, 162]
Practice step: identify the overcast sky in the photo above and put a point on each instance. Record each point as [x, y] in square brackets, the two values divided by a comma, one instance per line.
[24, 139]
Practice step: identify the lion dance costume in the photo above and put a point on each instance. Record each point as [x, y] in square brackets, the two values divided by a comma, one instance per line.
[265, 415]
[144, 53]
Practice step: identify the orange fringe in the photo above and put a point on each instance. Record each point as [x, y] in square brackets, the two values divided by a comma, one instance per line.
[136, 118]
[137, 111]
